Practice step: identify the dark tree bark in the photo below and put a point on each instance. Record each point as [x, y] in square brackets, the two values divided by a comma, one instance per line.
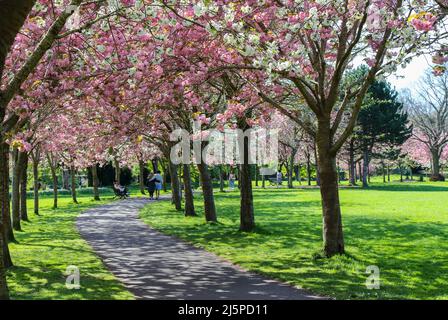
[351, 164]
[247, 217]
[165, 189]
[308, 169]
[54, 177]
[4, 292]
[73, 184]
[141, 179]
[23, 185]
[65, 179]
[383, 169]
[155, 165]
[175, 187]
[207, 190]
[263, 181]
[96, 183]
[15, 192]
[13, 14]
[291, 168]
[257, 175]
[365, 169]
[360, 170]
[435, 163]
[189, 198]
[117, 171]
[35, 160]
[6, 231]
[318, 181]
[298, 169]
[332, 226]
[4, 192]
[181, 185]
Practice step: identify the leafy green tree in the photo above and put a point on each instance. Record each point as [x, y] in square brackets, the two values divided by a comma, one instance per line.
[382, 122]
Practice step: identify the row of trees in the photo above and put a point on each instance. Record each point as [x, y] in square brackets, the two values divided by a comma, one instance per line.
[88, 82]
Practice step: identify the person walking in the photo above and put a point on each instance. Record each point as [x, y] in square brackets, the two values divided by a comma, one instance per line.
[279, 178]
[151, 185]
[159, 180]
[231, 181]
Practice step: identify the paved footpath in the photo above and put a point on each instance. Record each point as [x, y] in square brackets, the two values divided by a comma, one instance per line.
[156, 266]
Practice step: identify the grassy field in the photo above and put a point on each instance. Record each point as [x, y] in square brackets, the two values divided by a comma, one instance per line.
[401, 228]
[48, 245]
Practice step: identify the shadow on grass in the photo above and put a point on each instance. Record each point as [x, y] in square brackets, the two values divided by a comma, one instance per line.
[51, 243]
[411, 255]
[49, 283]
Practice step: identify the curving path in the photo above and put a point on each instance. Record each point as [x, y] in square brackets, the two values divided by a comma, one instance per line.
[155, 266]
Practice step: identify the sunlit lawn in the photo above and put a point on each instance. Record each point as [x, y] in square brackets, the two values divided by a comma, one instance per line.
[401, 228]
[51, 243]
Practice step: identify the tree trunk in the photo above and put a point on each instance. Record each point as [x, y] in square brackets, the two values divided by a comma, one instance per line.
[55, 182]
[96, 183]
[435, 163]
[257, 175]
[15, 193]
[175, 187]
[352, 165]
[247, 218]
[207, 190]
[360, 170]
[155, 165]
[308, 169]
[318, 181]
[141, 167]
[164, 181]
[23, 185]
[73, 184]
[36, 185]
[6, 231]
[189, 198]
[4, 293]
[181, 185]
[291, 169]
[332, 221]
[299, 173]
[365, 169]
[4, 192]
[117, 171]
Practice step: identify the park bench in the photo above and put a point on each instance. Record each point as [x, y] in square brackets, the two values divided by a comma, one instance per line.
[121, 194]
[273, 181]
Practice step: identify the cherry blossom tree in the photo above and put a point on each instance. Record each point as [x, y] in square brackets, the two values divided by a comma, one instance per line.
[428, 109]
[305, 48]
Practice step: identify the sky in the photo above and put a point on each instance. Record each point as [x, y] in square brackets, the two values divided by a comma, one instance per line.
[406, 78]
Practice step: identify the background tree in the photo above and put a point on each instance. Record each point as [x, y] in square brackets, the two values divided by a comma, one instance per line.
[382, 121]
[428, 110]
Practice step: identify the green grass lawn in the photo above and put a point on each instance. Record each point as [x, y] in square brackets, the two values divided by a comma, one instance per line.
[48, 245]
[401, 228]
